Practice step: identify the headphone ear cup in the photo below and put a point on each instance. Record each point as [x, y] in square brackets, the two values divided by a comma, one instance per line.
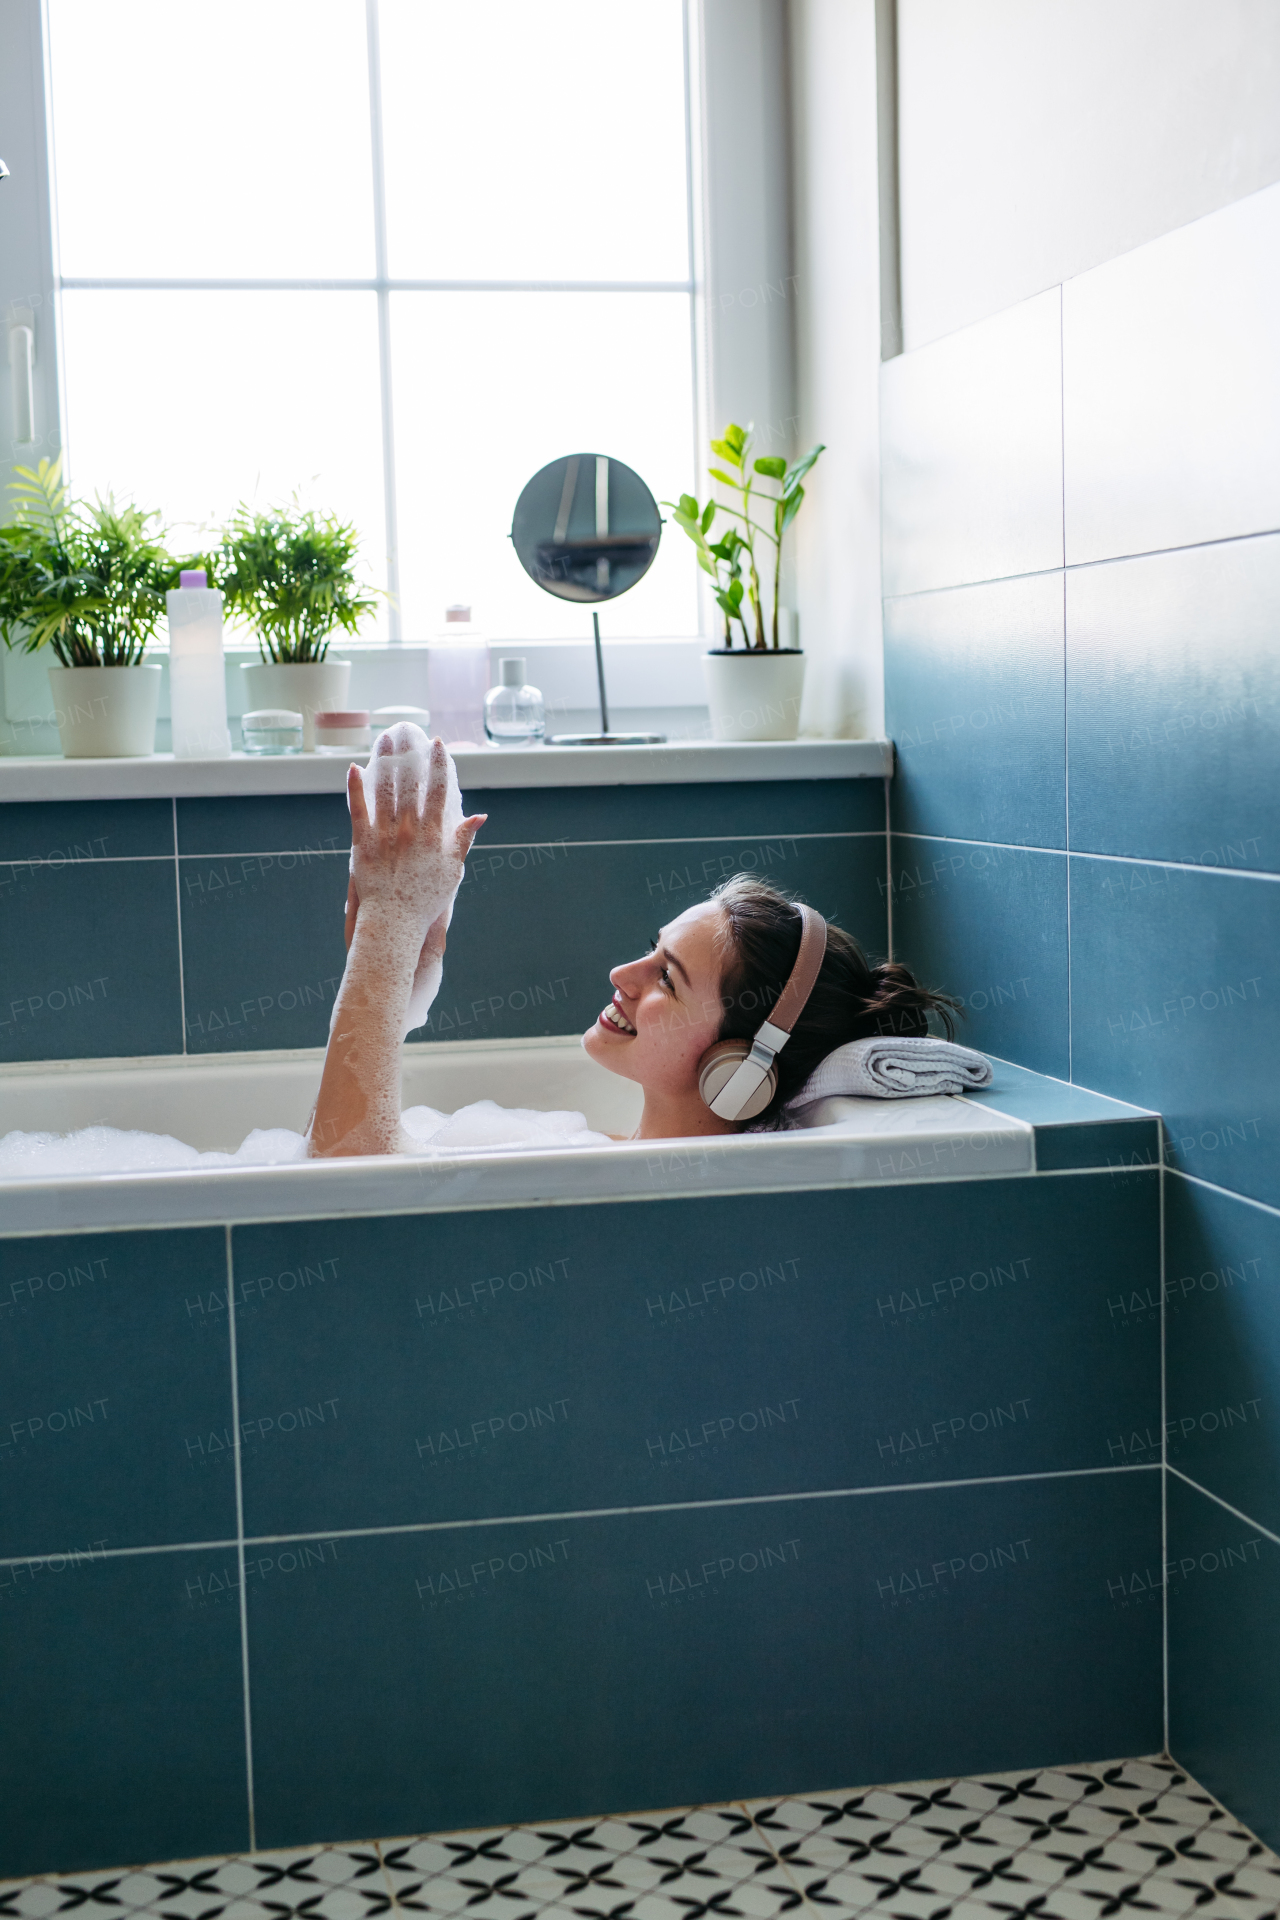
[718, 1066]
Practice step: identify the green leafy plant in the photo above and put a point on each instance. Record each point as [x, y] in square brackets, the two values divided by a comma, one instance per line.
[86, 580]
[291, 573]
[725, 560]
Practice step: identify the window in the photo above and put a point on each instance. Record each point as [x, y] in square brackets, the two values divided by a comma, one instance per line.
[394, 254]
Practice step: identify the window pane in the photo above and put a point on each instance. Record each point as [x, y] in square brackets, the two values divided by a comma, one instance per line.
[194, 401]
[534, 142]
[490, 387]
[207, 140]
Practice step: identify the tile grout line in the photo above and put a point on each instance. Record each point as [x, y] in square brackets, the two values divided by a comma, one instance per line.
[490, 846]
[586, 1513]
[1066, 734]
[888, 867]
[1219, 1501]
[177, 899]
[1081, 566]
[1164, 1461]
[244, 1602]
[1228, 1193]
[534, 846]
[1079, 853]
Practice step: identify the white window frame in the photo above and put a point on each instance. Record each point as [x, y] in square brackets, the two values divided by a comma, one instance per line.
[740, 282]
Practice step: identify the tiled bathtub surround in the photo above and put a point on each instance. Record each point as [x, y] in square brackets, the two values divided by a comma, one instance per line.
[1082, 528]
[447, 1520]
[215, 925]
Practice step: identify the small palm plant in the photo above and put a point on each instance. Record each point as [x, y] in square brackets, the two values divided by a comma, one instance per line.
[291, 572]
[88, 581]
[724, 560]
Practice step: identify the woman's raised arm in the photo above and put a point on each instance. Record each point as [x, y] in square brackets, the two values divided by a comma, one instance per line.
[406, 867]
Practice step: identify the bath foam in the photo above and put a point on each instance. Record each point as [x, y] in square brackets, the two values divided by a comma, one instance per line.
[31, 1156]
[484, 1124]
[481, 1127]
[404, 766]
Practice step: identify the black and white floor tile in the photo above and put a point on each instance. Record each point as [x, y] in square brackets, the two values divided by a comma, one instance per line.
[1130, 1838]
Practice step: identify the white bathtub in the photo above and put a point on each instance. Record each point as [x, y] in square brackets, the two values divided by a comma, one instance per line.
[212, 1102]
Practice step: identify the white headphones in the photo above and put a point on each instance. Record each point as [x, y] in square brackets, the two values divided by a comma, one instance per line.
[738, 1078]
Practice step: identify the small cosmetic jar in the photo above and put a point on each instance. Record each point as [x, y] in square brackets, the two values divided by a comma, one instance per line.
[344, 732]
[272, 730]
[384, 717]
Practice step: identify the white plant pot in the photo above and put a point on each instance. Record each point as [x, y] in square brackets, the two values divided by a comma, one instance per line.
[754, 696]
[307, 687]
[105, 713]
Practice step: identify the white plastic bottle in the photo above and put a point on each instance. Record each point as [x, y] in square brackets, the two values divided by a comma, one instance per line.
[458, 679]
[197, 670]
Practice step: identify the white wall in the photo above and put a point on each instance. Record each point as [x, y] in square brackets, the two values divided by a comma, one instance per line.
[1038, 138]
[837, 339]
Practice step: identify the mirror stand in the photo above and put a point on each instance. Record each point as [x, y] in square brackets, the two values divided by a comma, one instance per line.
[604, 738]
[586, 528]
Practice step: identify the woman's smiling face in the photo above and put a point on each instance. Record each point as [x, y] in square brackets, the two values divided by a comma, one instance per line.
[666, 1008]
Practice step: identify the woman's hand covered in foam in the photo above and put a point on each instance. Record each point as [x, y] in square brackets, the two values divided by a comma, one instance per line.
[408, 837]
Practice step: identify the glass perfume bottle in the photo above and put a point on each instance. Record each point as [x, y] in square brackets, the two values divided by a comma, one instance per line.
[515, 715]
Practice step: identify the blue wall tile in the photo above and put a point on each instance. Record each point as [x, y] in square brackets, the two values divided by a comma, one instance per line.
[58, 831]
[530, 1671]
[262, 948]
[90, 949]
[89, 960]
[1224, 1681]
[1173, 701]
[681, 811]
[115, 1371]
[1104, 1143]
[400, 1371]
[1222, 1277]
[120, 1687]
[1171, 392]
[265, 823]
[1048, 1103]
[537, 929]
[974, 706]
[1074, 1127]
[1174, 1006]
[971, 452]
[320, 822]
[989, 925]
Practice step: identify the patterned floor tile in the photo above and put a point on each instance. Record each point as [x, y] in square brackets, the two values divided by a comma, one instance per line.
[320, 1883]
[1124, 1837]
[671, 1866]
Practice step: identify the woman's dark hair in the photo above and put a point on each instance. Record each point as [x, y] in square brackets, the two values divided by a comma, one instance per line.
[851, 1000]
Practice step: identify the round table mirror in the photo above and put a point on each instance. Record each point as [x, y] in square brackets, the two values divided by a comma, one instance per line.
[586, 528]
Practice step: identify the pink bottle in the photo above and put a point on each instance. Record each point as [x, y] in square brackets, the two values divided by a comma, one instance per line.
[458, 679]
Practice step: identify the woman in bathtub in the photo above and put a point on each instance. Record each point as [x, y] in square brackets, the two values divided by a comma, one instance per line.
[713, 973]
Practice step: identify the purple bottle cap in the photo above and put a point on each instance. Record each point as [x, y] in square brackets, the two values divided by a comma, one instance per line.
[192, 577]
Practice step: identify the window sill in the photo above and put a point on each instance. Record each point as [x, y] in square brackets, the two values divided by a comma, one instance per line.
[161, 777]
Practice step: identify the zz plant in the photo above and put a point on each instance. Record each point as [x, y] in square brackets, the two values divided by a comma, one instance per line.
[735, 550]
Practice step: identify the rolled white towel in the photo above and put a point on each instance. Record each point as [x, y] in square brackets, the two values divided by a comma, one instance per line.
[892, 1068]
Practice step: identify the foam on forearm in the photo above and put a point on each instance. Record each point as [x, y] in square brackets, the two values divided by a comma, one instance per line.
[425, 891]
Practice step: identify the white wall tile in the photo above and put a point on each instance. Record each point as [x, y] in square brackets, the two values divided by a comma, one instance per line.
[971, 435]
[1171, 382]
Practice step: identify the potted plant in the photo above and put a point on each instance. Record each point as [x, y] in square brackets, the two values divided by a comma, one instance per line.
[290, 573]
[753, 691]
[89, 583]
